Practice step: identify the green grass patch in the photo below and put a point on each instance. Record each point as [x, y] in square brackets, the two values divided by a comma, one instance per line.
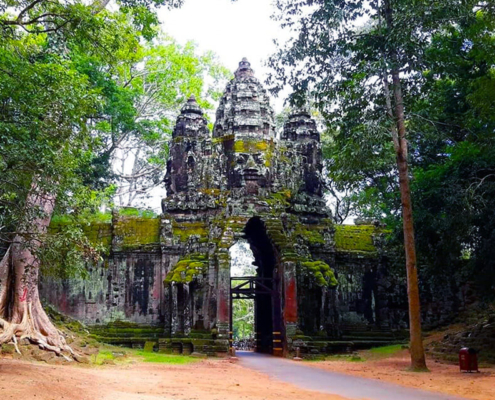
[164, 358]
[387, 350]
[102, 356]
[336, 357]
[121, 355]
[345, 357]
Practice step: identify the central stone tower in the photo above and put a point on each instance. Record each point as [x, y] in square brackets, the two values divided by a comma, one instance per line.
[243, 182]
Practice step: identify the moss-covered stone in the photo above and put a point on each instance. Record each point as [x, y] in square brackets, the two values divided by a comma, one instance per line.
[97, 229]
[251, 146]
[312, 234]
[321, 272]
[355, 238]
[134, 232]
[187, 269]
[185, 230]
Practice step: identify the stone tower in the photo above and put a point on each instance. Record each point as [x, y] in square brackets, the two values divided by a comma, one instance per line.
[190, 142]
[244, 183]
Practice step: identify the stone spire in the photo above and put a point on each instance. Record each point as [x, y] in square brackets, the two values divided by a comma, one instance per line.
[300, 126]
[188, 150]
[244, 69]
[245, 129]
[244, 108]
[302, 142]
[191, 122]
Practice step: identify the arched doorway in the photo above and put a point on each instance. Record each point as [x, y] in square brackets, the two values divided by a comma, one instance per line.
[263, 288]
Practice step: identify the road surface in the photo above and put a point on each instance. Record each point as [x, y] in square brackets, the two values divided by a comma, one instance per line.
[351, 387]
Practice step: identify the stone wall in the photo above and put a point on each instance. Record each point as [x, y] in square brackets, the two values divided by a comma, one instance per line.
[127, 285]
[126, 298]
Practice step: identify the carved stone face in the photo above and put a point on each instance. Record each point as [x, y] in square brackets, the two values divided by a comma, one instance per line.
[250, 167]
[250, 170]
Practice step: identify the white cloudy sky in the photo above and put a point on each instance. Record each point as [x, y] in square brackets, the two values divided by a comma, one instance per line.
[232, 30]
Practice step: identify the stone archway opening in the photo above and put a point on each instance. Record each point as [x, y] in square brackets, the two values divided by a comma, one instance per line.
[261, 286]
[242, 318]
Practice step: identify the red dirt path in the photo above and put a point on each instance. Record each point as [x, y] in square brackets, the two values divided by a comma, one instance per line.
[206, 380]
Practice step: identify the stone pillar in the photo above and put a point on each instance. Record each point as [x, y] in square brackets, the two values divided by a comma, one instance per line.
[290, 303]
[223, 296]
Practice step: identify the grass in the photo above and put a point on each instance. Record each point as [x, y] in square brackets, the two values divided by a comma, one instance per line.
[386, 350]
[336, 357]
[103, 354]
[164, 358]
[363, 355]
[119, 355]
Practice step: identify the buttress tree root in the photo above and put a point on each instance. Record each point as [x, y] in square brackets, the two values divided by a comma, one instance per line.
[21, 313]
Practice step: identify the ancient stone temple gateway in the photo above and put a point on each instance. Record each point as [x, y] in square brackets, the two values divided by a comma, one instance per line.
[318, 286]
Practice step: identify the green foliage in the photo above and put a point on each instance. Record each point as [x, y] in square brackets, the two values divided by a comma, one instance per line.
[45, 102]
[445, 50]
[77, 85]
[243, 319]
[142, 99]
[66, 252]
[136, 212]
[64, 17]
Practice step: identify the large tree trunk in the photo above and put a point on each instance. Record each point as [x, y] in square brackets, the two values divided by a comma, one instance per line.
[21, 313]
[418, 361]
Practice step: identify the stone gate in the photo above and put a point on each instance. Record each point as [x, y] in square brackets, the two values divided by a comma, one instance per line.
[329, 284]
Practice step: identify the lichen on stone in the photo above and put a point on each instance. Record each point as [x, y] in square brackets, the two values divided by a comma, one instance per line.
[312, 234]
[133, 232]
[281, 198]
[184, 230]
[251, 145]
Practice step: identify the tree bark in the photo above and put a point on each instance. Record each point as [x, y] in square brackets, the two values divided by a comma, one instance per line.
[418, 361]
[21, 312]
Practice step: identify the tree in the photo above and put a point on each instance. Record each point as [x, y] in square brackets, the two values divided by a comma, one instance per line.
[359, 61]
[48, 16]
[368, 67]
[43, 142]
[47, 146]
[142, 102]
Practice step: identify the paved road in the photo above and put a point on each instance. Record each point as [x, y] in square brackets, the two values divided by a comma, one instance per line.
[352, 387]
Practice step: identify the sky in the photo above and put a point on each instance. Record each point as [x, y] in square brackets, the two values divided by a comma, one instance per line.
[232, 30]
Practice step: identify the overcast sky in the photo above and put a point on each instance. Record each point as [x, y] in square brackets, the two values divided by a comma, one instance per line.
[232, 30]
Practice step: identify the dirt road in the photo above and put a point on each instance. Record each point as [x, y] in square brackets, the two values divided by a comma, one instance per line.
[222, 379]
